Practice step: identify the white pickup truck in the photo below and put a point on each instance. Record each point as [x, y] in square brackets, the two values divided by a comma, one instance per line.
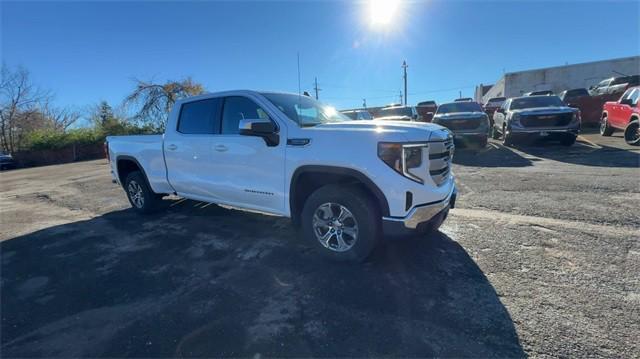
[344, 182]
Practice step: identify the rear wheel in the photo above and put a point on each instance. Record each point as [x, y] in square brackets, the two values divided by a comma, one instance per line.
[141, 197]
[342, 222]
[605, 129]
[632, 133]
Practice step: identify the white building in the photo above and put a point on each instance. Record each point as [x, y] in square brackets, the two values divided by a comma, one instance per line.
[559, 78]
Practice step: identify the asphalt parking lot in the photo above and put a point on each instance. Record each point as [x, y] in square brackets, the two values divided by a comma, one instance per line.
[540, 258]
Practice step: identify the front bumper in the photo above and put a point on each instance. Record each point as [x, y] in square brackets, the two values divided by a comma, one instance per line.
[419, 215]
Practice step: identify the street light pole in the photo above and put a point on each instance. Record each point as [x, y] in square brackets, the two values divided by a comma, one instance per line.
[404, 67]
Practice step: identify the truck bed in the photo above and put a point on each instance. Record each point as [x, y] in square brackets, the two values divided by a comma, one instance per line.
[147, 150]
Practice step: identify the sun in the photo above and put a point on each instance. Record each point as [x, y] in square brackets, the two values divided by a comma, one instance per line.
[383, 12]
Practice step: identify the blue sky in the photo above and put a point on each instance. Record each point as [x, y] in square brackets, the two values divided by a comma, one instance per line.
[89, 51]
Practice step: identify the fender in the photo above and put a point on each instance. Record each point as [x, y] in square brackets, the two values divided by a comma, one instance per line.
[134, 160]
[372, 187]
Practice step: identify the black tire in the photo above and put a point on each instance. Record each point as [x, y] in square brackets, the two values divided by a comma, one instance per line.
[482, 143]
[507, 138]
[568, 139]
[136, 188]
[605, 129]
[494, 132]
[632, 133]
[363, 210]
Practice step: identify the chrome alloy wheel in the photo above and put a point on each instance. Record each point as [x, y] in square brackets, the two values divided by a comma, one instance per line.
[135, 194]
[335, 227]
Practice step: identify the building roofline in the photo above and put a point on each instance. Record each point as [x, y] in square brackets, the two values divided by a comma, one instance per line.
[570, 65]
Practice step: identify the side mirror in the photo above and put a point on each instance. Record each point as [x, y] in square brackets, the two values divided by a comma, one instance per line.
[260, 128]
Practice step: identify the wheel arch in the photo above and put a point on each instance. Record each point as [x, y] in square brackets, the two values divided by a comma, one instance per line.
[127, 164]
[308, 178]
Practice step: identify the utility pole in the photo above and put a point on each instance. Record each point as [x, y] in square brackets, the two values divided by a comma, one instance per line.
[404, 67]
[315, 87]
[364, 103]
[299, 92]
[459, 94]
[401, 97]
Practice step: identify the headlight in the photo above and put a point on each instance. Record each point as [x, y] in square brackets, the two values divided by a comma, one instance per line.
[515, 117]
[404, 157]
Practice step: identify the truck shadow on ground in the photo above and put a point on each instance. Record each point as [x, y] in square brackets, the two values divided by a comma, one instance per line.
[201, 280]
[582, 153]
[491, 156]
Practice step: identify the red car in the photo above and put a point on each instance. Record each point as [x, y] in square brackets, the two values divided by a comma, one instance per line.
[623, 115]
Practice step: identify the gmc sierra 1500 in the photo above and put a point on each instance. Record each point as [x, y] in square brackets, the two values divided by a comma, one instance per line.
[343, 182]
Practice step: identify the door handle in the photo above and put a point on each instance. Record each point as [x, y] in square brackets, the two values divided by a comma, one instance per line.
[172, 147]
[221, 148]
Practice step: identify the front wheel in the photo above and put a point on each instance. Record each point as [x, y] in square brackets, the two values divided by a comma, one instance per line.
[605, 129]
[507, 137]
[632, 133]
[141, 197]
[342, 222]
[495, 134]
[568, 139]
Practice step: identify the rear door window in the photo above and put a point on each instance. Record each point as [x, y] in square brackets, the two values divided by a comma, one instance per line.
[200, 117]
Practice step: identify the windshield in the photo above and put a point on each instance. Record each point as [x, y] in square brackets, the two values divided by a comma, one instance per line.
[496, 100]
[459, 107]
[396, 111]
[536, 101]
[577, 93]
[304, 110]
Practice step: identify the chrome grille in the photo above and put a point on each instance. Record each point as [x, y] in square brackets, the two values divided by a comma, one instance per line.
[440, 155]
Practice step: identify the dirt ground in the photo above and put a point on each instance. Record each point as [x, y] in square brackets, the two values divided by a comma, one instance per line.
[540, 258]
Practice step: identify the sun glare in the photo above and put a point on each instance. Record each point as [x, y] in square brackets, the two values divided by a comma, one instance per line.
[383, 12]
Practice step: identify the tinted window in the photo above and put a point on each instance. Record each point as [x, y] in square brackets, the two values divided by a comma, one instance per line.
[396, 111]
[200, 117]
[459, 107]
[576, 93]
[536, 101]
[237, 108]
[351, 115]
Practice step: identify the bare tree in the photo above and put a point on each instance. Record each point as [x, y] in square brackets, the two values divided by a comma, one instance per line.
[156, 100]
[60, 118]
[19, 107]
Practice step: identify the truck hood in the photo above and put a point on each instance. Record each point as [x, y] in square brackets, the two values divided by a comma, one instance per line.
[459, 115]
[544, 110]
[412, 131]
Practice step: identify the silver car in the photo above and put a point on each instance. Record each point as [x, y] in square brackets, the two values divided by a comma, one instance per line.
[542, 116]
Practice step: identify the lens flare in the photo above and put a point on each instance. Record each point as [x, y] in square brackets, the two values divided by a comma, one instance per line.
[383, 12]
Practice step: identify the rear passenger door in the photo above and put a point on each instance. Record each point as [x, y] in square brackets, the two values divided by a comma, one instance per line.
[187, 148]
